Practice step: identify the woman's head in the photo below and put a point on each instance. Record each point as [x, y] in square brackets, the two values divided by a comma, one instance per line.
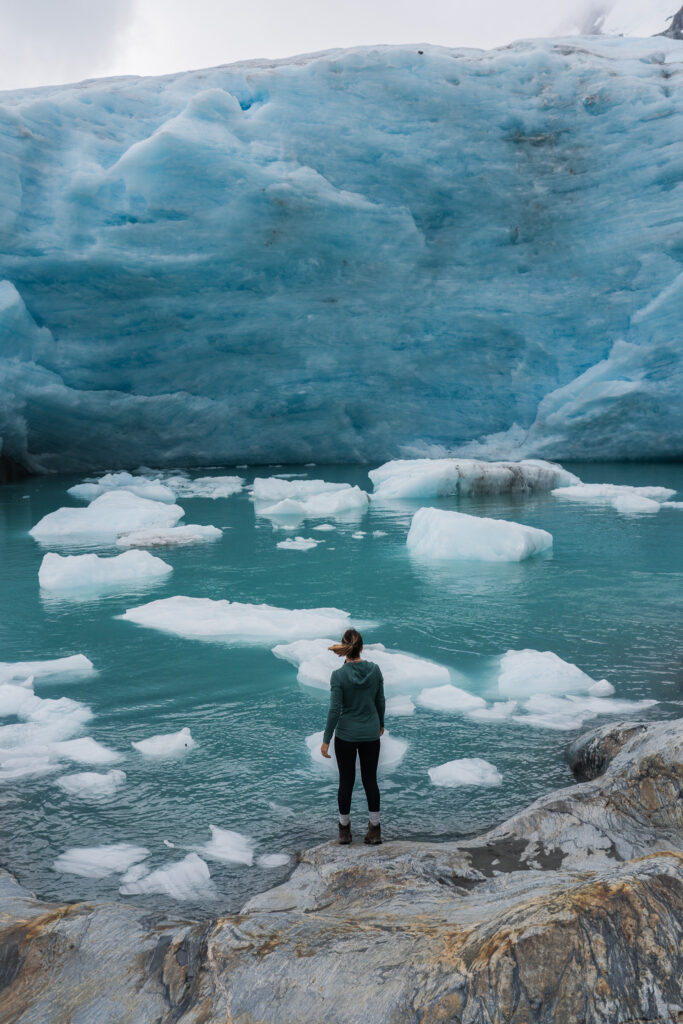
[351, 645]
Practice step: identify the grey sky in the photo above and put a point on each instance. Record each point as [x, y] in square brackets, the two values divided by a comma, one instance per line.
[51, 41]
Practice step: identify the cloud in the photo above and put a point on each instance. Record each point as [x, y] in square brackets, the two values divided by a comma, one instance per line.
[51, 41]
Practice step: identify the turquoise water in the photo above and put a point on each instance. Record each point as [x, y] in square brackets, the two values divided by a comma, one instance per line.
[608, 599]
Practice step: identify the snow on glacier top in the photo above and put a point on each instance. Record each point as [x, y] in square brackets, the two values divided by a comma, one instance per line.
[339, 255]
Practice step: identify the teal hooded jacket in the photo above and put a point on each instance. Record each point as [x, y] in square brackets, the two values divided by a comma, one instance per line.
[356, 703]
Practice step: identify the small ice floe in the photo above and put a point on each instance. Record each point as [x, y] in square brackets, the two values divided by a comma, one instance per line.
[77, 666]
[437, 534]
[154, 490]
[169, 537]
[466, 771]
[170, 744]
[99, 861]
[315, 663]
[379, 533]
[498, 712]
[298, 544]
[92, 785]
[392, 751]
[89, 575]
[106, 518]
[187, 879]
[325, 527]
[622, 497]
[206, 486]
[436, 478]
[273, 860]
[228, 846]
[400, 706]
[358, 535]
[202, 618]
[526, 672]
[85, 750]
[545, 711]
[306, 499]
[449, 698]
[672, 504]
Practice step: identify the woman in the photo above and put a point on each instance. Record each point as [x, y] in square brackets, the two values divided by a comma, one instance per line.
[356, 717]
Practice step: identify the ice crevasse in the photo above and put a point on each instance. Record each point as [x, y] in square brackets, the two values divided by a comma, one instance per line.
[347, 256]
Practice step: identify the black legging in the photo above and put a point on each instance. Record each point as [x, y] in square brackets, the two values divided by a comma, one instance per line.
[368, 752]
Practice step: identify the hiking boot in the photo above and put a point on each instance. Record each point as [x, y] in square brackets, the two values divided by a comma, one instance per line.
[374, 834]
[344, 835]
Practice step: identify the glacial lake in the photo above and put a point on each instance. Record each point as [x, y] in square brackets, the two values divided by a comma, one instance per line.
[609, 599]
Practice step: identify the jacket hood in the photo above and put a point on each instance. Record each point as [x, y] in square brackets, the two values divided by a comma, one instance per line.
[359, 671]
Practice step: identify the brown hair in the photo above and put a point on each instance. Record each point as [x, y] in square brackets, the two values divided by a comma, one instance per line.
[351, 645]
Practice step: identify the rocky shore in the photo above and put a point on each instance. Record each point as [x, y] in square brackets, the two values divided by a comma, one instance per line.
[570, 912]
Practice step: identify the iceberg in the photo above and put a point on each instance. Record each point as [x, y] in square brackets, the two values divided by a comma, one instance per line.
[622, 497]
[92, 785]
[170, 744]
[187, 879]
[140, 485]
[115, 512]
[449, 698]
[438, 478]
[76, 666]
[466, 771]
[343, 502]
[528, 672]
[315, 664]
[90, 574]
[298, 544]
[438, 534]
[100, 861]
[391, 752]
[274, 488]
[228, 846]
[459, 285]
[200, 618]
[170, 537]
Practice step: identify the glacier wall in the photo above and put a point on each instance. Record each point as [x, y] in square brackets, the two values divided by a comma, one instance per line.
[347, 256]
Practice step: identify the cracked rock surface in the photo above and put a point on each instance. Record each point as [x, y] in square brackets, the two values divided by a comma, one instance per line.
[571, 911]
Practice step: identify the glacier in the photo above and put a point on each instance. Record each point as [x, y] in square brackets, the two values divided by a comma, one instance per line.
[347, 256]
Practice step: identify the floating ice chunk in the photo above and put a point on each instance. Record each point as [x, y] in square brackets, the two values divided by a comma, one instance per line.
[170, 744]
[272, 489]
[358, 535]
[391, 751]
[273, 860]
[76, 666]
[379, 533]
[299, 544]
[90, 574]
[206, 486]
[85, 750]
[622, 497]
[601, 689]
[435, 533]
[498, 712]
[228, 846]
[19, 764]
[665, 504]
[400, 706]
[546, 711]
[316, 663]
[187, 879]
[92, 785]
[346, 502]
[527, 672]
[435, 478]
[449, 698]
[204, 619]
[154, 490]
[99, 861]
[325, 527]
[173, 536]
[466, 771]
[113, 513]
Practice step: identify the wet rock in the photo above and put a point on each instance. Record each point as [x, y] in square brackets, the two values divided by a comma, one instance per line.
[571, 911]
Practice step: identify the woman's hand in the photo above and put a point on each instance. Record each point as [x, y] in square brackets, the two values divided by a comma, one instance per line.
[323, 750]
[381, 732]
